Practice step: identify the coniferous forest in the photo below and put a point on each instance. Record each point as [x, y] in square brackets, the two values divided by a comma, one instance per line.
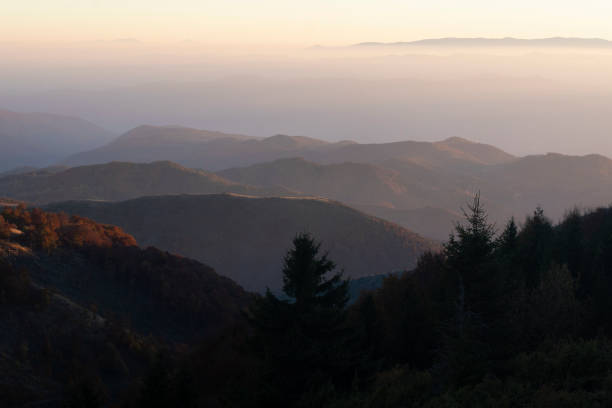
[510, 317]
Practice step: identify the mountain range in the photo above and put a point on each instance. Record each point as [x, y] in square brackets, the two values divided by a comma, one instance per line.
[216, 151]
[428, 199]
[196, 148]
[420, 185]
[566, 42]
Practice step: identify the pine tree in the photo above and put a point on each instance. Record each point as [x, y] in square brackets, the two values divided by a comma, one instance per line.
[470, 335]
[507, 241]
[469, 254]
[301, 338]
[472, 243]
[535, 247]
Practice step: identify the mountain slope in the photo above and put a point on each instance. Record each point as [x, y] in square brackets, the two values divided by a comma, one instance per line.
[171, 297]
[553, 181]
[119, 181]
[346, 182]
[82, 306]
[40, 139]
[245, 238]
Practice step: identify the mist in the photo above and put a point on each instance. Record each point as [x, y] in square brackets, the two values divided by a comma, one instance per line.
[523, 100]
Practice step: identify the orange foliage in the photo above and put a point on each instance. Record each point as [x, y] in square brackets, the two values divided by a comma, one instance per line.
[46, 231]
[5, 229]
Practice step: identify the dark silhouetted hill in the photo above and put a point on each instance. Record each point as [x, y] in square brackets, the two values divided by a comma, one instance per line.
[82, 306]
[245, 238]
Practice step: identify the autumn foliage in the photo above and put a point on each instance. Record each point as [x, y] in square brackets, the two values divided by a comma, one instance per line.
[46, 231]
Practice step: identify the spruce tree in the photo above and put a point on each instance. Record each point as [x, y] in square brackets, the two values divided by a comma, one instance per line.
[469, 254]
[301, 338]
[469, 336]
[507, 241]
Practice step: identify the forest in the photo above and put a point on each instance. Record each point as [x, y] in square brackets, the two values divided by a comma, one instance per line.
[501, 317]
[510, 318]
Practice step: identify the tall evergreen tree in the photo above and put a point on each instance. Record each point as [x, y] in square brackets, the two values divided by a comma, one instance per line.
[469, 254]
[507, 240]
[535, 247]
[301, 339]
[469, 337]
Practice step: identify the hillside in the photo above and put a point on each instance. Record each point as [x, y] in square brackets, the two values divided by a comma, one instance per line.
[40, 139]
[245, 238]
[119, 181]
[430, 222]
[553, 181]
[82, 306]
[100, 264]
[348, 182]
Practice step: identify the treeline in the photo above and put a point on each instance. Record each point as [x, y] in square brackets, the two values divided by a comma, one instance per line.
[510, 318]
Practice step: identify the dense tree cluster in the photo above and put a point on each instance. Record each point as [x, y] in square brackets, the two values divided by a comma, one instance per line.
[509, 318]
[518, 318]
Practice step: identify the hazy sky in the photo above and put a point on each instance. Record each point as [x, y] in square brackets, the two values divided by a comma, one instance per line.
[299, 21]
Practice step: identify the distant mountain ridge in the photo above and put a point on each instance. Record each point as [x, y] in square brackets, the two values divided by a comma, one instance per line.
[41, 139]
[196, 148]
[215, 151]
[570, 42]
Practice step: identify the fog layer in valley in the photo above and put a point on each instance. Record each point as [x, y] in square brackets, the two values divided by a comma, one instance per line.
[523, 99]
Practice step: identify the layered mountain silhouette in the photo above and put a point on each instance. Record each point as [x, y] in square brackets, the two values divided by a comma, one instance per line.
[195, 148]
[553, 42]
[420, 185]
[245, 238]
[216, 151]
[40, 139]
[120, 181]
[425, 195]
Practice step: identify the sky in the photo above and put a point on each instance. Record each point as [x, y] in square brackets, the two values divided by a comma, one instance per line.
[304, 22]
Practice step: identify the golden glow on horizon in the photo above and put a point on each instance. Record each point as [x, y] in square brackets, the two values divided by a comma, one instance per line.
[329, 22]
